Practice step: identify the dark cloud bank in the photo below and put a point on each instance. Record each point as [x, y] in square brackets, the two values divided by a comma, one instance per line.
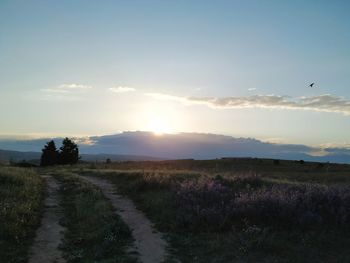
[184, 145]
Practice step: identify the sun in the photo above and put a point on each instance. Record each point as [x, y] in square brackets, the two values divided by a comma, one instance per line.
[159, 126]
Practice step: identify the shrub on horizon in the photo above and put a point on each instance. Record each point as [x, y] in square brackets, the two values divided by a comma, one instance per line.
[69, 152]
[49, 154]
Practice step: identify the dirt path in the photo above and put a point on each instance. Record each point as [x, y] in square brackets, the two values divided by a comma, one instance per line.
[149, 244]
[49, 235]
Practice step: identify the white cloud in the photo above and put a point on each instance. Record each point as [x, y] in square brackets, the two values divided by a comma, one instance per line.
[55, 90]
[74, 86]
[162, 96]
[251, 89]
[84, 141]
[67, 88]
[322, 103]
[67, 92]
[317, 152]
[122, 89]
[335, 145]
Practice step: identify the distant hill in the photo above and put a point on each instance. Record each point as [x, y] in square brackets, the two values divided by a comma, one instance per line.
[17, 156]
[116, 157]
[147, 146]
[34, 157]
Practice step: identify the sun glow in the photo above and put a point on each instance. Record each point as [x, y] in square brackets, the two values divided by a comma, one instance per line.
[159, 126]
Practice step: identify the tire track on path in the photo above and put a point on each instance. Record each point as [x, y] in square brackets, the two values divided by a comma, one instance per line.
[50, 233]
[149, 244]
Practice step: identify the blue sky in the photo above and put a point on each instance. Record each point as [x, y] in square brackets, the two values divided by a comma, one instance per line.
[100, 67]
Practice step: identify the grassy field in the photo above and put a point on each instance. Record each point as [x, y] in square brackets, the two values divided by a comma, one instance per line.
[297, 171]
[228, 210]
[21, 203]
[249, 211]
[93, 232]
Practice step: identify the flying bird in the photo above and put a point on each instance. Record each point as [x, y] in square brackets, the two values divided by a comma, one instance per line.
[311, 85]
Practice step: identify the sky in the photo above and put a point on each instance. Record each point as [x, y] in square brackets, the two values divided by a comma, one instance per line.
[239, 68]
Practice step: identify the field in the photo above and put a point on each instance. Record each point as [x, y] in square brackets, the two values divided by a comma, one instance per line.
[227, 210]
[21, 204]
[248, 210]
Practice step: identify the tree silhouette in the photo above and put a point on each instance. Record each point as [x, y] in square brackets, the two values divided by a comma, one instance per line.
[49, 154]
[69, 152]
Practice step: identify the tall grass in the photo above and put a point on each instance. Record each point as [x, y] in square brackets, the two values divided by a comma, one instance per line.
[21, 201]
[93, 232]
[216, 204]
[241, 218]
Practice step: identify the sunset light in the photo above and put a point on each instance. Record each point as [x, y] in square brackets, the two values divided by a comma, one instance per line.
[184, 131]
[159, 126]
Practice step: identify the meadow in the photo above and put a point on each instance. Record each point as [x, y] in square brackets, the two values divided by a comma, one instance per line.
[242, 210]
[225, 210]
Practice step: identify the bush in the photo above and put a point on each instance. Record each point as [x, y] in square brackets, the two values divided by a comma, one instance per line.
[204, 204]
[246, 181]
[213, 205]
[296, 205]
[24, 164]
